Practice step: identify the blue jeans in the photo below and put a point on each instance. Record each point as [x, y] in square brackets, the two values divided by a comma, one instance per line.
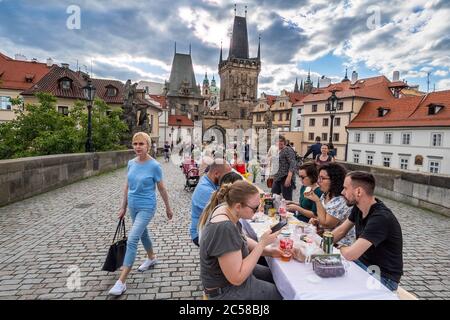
[388, 283]
[140, 218]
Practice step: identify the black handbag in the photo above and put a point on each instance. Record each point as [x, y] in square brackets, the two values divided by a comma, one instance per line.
[116, 253]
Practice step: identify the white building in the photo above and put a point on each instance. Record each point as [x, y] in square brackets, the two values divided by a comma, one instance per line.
[163, 117]
[151, 87]
[297, 117]
[410, 133]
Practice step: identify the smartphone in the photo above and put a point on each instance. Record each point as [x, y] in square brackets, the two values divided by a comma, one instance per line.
[278, 226]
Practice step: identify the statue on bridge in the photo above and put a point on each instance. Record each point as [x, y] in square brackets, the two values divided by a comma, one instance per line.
[131, 107]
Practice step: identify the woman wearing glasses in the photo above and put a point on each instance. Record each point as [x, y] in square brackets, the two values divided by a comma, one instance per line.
[305, 208]
[332, 209]
[228, 259]
[144, 174]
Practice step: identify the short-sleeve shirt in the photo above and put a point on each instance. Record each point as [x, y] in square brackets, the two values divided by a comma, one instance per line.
[200, 198]
[381, 228]
[142, 180]
[307, 204]
[337, 207]
[218, 239]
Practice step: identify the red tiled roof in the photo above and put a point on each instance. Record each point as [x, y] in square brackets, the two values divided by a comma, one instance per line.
[271, 99]
[371, 88]
[175, 120]
[160, 99]
[398, 84]
[296, 96]
[51, 83]
[405, 112]
[102, 86]
[13, 73]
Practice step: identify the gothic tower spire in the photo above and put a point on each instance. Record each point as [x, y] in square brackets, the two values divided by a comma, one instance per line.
[239, 39]
[259, 48]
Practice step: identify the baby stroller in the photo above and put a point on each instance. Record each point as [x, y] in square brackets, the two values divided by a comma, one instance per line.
[191, 173]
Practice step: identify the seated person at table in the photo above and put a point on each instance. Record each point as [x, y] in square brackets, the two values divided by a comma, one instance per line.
[228, 259]
[206, 186]
[332, 210]
[305, 208]
[378, 233]
[216, 198]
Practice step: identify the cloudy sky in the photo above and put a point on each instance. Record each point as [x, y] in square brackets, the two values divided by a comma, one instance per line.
[127, 39]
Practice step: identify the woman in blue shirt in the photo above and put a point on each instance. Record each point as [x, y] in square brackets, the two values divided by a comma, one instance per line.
[305, 208]
[144, 174]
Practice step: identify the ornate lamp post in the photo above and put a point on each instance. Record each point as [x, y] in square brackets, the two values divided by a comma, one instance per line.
[89, 94]
[332, 104]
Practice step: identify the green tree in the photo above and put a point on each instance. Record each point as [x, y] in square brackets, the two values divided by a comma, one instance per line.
[107, 126]
[39, 129]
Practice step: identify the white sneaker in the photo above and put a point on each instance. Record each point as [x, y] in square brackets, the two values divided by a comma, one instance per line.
[118, 289]
[147, 264]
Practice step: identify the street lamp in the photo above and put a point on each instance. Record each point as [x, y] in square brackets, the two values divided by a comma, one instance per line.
[332, 104]
[89, 94]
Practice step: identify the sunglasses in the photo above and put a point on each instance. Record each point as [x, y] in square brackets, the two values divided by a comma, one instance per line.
[254, 209]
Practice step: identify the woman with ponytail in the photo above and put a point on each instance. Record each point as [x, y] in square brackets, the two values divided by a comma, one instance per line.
[217, 198]
[228, 259]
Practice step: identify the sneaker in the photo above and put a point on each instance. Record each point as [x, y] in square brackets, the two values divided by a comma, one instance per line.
[147, 264]
[118, 289]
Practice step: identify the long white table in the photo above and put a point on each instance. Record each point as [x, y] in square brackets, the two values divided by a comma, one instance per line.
[298, 281]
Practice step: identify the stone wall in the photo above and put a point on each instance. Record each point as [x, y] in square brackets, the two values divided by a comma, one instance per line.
[422, 190]
[26, 177]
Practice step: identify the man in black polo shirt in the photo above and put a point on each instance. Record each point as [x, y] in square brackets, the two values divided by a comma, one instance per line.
[379, 236]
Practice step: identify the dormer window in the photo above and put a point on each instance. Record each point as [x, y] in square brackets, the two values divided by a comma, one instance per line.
[382, 112]
[65, 83]
[434, 108]
[111, 91]
[29, 78]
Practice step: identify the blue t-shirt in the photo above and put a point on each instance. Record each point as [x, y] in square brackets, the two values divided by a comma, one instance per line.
[142, 179]
[200, 199]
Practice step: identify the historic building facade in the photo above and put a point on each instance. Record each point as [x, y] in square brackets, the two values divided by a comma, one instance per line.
[238, 84]
[182, 92]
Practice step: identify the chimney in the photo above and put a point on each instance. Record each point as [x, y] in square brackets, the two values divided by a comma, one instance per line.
[65, 65]
[396, 76]
[49, 62]
[20, 57]
[324, 82]
[354, 76]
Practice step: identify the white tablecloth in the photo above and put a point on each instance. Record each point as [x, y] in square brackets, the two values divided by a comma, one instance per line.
[298, 281]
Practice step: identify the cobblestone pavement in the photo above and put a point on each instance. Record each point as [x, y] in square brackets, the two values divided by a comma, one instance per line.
[48, 240]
